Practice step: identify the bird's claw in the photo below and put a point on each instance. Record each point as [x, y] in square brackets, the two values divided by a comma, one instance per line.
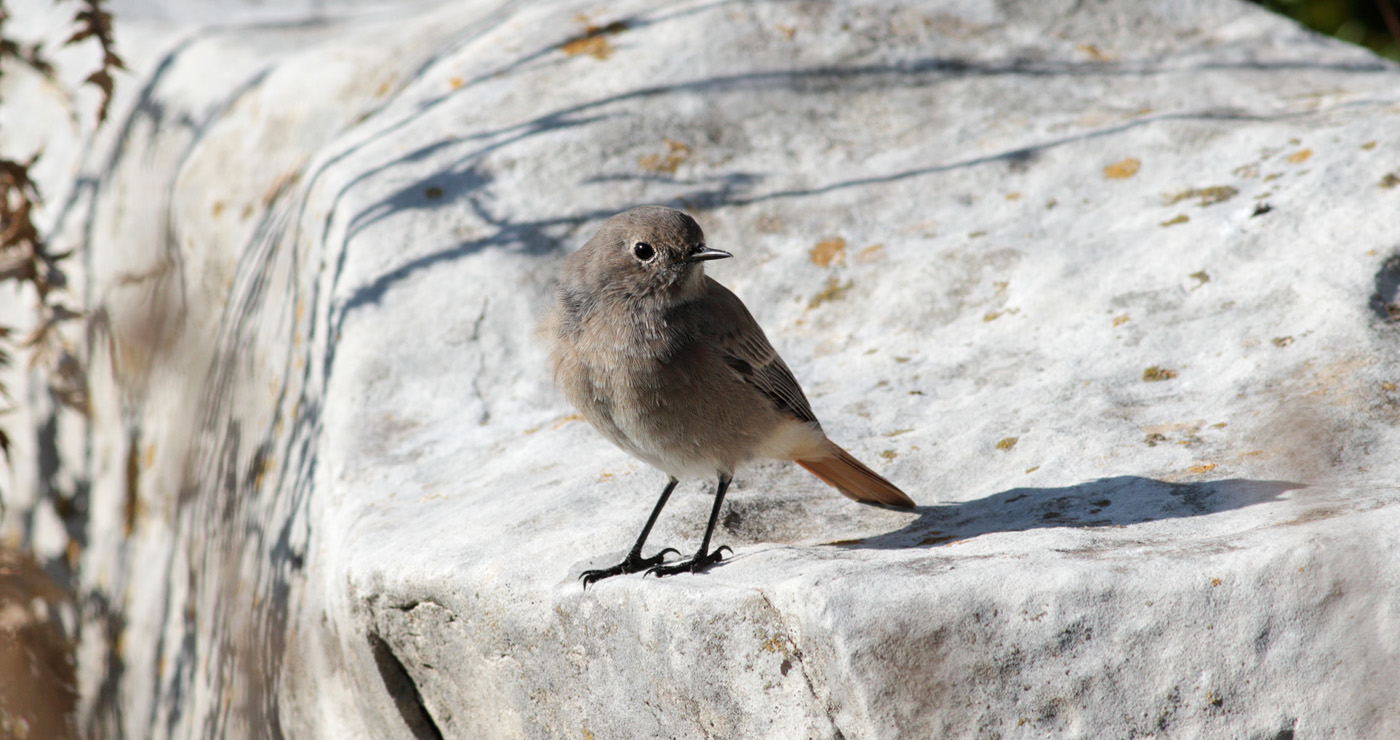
[632, 564]
[693, 565]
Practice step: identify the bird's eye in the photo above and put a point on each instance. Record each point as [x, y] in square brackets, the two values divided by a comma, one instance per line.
[643, 251]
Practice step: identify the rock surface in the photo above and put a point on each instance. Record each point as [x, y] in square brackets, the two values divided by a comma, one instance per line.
[1110, 289]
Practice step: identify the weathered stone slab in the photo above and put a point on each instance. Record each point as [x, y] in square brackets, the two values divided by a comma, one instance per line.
[1108, 289]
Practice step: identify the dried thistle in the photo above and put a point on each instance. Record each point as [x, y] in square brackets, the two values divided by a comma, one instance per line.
[25, 255]
[95, 23]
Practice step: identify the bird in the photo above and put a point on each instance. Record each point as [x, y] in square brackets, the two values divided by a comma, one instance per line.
[671, 367]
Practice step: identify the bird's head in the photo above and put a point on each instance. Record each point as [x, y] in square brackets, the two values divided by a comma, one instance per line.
[643, 251]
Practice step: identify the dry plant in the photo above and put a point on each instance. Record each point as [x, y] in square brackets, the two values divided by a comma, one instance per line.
[26, 257]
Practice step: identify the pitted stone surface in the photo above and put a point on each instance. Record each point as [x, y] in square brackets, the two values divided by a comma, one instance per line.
[1106, 288]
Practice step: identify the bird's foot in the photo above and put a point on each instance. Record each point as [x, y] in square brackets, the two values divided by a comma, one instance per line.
[632, 564]
[693, 565]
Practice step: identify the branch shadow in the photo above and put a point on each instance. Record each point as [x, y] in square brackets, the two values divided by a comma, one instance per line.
[1118, 501]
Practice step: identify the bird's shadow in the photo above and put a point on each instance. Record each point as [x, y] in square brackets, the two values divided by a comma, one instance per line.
[1118, 501]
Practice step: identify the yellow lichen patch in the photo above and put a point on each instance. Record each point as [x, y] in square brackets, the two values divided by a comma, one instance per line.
[1251, 453]
[1180, 218]
[1214, 582]
[1120, 320]
[1013, 196]
[1123, 170]
[218, 208]
[898, 432]
[1299, 156]
[828, 251]
[1390, 180]
[869, 254]
[264, 467]
[1368, 146]
[788, 32]
[676, 154]
[592, 41]
[1198, 469]
[1200, 275]
[279, 184]
[779, 643]
[834, 291]
[1095, 53]
[1032, 469]
[1006, 443]
[1156, 373]
[889, 454]
[1209, 196]
[455, 83]
[1388, 386]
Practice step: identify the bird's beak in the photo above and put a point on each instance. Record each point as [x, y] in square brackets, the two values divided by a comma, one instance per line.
[705, 253]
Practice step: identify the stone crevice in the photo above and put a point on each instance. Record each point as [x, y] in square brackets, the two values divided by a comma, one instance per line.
[404, 692]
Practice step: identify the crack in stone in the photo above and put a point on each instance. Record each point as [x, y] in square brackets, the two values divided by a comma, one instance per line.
[1385, 302]
[801, 664]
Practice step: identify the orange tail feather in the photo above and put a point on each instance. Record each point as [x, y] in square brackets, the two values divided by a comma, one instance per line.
[850, 476]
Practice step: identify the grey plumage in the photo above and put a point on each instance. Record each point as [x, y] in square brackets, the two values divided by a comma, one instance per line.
[670, 366]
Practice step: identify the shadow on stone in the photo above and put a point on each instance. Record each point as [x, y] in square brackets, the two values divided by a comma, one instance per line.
[1385, 302]
[403, 691]
[1106, 502]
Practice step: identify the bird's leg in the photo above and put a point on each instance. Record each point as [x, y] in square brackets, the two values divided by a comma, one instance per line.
[703, 557]
[634, 561]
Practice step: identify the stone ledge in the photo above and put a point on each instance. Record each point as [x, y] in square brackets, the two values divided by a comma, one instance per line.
[1104, 288]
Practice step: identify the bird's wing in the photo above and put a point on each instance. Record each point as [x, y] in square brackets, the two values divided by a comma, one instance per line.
[746, 350]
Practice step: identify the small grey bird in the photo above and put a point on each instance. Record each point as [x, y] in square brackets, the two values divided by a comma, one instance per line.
[671, 367]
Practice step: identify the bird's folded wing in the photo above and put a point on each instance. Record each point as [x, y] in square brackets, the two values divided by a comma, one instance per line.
[746, 350]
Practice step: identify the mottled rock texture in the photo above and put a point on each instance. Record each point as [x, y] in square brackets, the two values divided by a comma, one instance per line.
[1110, 288]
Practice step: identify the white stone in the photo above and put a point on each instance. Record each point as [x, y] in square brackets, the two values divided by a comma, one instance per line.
[320, 251]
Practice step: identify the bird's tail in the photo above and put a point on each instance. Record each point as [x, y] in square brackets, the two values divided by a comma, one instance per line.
[850, 476]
